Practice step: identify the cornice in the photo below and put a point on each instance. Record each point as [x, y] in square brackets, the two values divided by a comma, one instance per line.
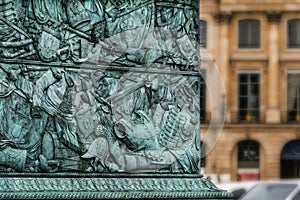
[257, 126]
[260, 58]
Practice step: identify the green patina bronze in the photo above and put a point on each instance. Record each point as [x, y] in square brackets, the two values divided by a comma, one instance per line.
[103, 97]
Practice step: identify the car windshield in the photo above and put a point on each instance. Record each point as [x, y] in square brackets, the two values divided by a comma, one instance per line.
[270, 191]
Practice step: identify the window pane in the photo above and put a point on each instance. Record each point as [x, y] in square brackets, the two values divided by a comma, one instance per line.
[254, 78]
[243, 90]
[248, 154]
[270, 191]
[249, 33]
[248, 150]
[249, 97]
[293, 98]
[294, 33]
[203, 32]
[238, 193]
[254, 89]
[243, 78]
[253, 102]
[254, 34]
[243, 102]
[297, 196]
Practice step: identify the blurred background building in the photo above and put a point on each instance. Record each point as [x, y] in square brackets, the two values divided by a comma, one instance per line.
[255, 46]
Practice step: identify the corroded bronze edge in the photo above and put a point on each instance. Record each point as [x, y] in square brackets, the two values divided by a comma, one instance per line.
[107, 187]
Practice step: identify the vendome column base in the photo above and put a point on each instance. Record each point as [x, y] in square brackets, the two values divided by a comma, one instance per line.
[109, 187]
[100, 99]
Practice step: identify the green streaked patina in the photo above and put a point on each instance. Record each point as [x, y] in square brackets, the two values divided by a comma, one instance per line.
[107, 87]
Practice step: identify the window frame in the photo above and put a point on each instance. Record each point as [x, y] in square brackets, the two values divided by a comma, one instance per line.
[251, 145]
[297, 34]
[251, 43]
[252, 114]
[203, 37]
[293, 115]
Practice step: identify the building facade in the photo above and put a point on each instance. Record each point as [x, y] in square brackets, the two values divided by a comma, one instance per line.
[250, 54]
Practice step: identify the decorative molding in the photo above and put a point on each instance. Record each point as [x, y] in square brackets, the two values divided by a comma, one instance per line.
[274, 17]
[289, 58]
[109, 188]
[249, 57]
[223, 17]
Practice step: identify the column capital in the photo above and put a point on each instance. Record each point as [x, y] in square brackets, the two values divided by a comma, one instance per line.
[274, 17]
[223, 17]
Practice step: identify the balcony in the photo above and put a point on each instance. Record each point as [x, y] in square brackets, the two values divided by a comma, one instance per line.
[287, 117]
[245, 117]
[257, 117]
[292, 116]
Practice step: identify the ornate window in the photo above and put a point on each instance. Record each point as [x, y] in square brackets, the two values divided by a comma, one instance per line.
[249, 33]
[293, 97]
[203, 32]
[293, 33]
[249, 97]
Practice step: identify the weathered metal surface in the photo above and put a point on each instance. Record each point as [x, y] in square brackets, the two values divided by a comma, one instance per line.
[106, 87]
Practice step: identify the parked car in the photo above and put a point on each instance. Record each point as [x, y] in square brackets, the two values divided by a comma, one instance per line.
[274, 190]
[239, 188]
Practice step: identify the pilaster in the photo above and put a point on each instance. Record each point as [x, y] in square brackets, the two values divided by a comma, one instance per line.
[273, 111]
[224, 19]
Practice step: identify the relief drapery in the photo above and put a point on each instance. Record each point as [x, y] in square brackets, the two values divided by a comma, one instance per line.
[99, 86]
